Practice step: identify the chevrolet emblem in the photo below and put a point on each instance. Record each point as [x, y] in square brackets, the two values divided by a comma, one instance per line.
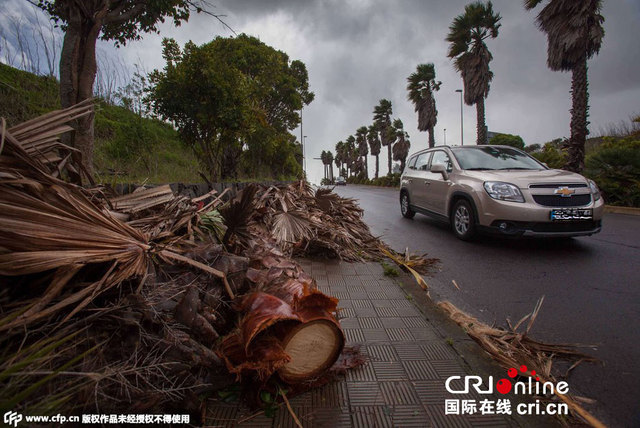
[565, 192]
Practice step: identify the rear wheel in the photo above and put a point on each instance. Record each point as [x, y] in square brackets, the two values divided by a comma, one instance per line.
[405, 208]
[462, 221]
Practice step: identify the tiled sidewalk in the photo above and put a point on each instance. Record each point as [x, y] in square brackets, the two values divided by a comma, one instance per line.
[402, 383]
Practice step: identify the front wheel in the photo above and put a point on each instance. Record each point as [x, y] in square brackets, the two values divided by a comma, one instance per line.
[462, 220]
[406, 210]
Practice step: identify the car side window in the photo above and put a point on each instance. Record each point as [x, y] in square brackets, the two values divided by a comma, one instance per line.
[412, 162]
[423, 161]
[440, 157]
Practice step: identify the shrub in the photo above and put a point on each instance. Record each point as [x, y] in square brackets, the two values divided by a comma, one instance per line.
[615, 167]
[552, 154]
[508, 140]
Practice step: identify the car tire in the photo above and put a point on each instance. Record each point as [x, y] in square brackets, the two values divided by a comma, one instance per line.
[405, 206]
[463, 222]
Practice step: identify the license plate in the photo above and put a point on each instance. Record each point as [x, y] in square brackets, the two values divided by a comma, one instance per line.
[572, 214]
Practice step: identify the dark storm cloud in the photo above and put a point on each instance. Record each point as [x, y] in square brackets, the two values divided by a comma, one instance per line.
[359, 51]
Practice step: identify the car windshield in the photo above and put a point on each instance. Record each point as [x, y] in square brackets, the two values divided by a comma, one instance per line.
[484, 158]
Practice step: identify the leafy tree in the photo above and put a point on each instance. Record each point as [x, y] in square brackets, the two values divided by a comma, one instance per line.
[83, 23]
[507, 140]
[421, 86]
[363, 148]
[374, 144]
[402, 145]
[471, 56]
[382, 120]
[532, 148]
[233, 98]
[552, 154]
[574, 35]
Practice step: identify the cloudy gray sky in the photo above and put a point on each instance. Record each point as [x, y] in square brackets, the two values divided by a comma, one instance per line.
[359, 51]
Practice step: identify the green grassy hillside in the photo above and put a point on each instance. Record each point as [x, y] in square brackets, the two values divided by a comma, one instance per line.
[129, 148]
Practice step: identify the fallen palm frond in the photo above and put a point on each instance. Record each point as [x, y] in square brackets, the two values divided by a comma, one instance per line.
[40, 138]
[512, 348]
[411, 264]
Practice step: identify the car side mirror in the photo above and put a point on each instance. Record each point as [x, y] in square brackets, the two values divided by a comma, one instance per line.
[441, 169]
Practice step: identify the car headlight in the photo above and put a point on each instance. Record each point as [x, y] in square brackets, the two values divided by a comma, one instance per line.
[594, 190]
[503, 191]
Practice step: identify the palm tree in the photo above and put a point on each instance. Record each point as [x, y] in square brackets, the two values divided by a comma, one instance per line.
[374, 144]
[382, 119]
[323, 158]
[330, 163]
[402, 145]
[471, 55]
[351, 153]
[363, 148]
[339, 156]
[421, 86]
[574, 35]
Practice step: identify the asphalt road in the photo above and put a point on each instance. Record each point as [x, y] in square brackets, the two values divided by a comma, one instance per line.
[590, 284]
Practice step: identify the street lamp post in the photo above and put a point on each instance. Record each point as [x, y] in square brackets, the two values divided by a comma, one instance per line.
[445, 136]
[461, 120]
[304, 156]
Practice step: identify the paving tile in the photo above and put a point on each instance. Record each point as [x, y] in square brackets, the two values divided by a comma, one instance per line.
[371, 417]
[345, 312]
[438, 351]
[416, 322]
[398, 393]
[410, 416]
[376, 294]
[358, 295]
[387, 312]
[392, 322]
[349, 323]
[374, 335]
[365, 312]
[382, 353]
[326, 290]
[353, 335]
[356, 287]
[329, 418]
[341, 295]
[364, 393]
[399, 334]
[370, 323]
[284, 419]
[333, 395]
[402, 303]
[384, 303]
[389, 370]
[431, 392]
[439, 419]
[409, 311]
[364, 373]
[445, 369]
[419, 370]
[409, 351]
[424, 333]
[362, 303]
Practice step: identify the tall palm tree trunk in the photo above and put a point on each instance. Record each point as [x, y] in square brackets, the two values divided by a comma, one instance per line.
[389, 152]
[579, 114]
[366, 167]
[432, 140]
[331, 171]
[377, 165]
[480, 125]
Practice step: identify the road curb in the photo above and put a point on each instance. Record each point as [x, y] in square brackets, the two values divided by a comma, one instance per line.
[621, 210]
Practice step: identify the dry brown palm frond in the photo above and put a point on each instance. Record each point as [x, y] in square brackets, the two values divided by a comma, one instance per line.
[514, 349]
[291, 227]
[238, 213]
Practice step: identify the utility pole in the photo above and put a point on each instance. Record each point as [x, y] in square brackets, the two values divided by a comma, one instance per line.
[461, 119]
[445, 136]
[304, 156]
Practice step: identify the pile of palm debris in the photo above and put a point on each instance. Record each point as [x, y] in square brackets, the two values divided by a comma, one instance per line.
[142, 302]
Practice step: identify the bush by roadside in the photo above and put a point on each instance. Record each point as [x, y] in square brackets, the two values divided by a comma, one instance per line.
[389, 180]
